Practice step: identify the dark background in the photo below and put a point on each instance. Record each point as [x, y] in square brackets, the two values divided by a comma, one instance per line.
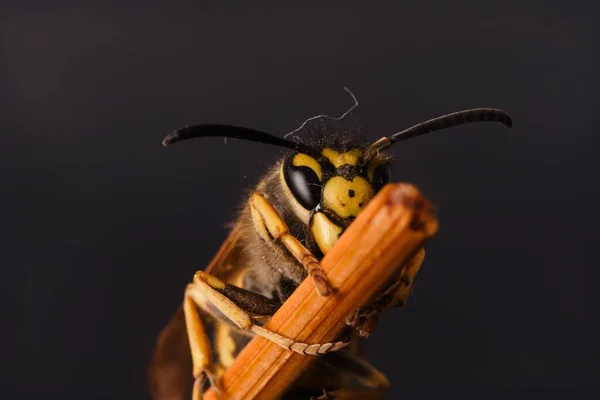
[102, 227]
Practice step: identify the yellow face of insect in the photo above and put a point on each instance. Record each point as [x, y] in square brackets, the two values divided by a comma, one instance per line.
[329, 192]
[346, 198]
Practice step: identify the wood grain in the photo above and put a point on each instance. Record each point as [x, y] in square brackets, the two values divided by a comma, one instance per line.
[373, 249]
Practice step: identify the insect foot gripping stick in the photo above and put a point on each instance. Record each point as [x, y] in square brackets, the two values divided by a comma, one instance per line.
[374, 249]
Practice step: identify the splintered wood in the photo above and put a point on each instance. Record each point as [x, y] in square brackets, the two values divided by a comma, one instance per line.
[373, 249]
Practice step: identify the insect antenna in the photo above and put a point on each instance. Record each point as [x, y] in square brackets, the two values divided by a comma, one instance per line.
[234, 132]
[436, 124]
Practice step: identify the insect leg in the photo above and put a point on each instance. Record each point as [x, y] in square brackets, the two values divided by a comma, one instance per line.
[199, 346]
[267, 219]
[366, 318]
[242, 307]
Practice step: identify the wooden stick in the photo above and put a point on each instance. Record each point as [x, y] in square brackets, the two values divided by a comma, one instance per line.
[374, 247]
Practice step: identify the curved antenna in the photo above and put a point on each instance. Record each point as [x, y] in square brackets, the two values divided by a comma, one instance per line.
[436, 124]
[234, 132]
[454, 119]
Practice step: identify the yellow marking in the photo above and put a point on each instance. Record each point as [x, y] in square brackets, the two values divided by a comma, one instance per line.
[225, 345]
[302, 213]
[220, 370]
[346, 198]
[338, 159]
[326, 233]
[374, 163]
[302, 160]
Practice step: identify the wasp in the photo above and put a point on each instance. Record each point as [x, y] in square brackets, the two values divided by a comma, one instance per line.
[290, 220]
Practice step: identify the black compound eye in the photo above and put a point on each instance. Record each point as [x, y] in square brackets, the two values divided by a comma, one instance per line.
[381, 176]
[304, 185]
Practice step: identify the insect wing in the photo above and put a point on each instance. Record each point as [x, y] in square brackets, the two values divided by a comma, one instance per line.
[170, 369]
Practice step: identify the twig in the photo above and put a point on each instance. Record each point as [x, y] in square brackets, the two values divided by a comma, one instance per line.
[373, 249]
[375, 246]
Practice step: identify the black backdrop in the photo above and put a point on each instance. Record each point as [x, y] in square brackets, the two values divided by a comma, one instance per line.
[102, 227]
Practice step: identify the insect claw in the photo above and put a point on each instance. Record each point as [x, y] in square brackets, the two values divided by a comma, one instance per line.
[324, 396]
[321, 284]
[213, 382]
